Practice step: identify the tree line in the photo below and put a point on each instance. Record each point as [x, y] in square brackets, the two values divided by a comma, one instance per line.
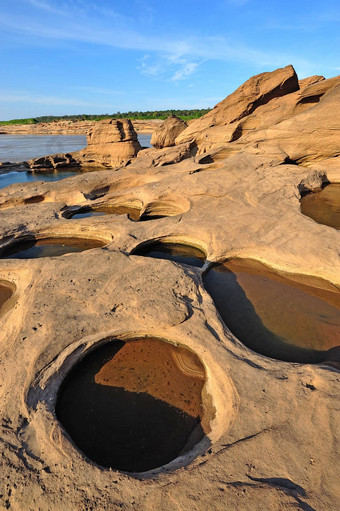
[186, 115]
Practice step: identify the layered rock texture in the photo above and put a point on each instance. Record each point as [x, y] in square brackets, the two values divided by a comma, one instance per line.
[235, 179]
[166, 134]
[70, 127]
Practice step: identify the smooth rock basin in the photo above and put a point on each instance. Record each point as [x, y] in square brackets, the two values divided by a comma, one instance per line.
[5, 293]
[87, 212]
[134, 406]
[184, 254]
[290, 318]
[323, 206]
[48, 247]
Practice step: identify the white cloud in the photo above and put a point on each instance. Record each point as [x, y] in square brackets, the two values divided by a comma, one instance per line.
[169, 56]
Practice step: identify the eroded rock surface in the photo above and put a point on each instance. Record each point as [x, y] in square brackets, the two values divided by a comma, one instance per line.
[272, 441]
[166, 134]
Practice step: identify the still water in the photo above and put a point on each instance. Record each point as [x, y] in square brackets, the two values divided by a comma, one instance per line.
[291, 318]
[134, 405]
[323, 206]
[15, 148]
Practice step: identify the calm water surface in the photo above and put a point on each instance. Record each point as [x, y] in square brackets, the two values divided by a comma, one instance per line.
[49, 247]
[323, 206]
[292, 320]
[15, 148]
[176, 252]
[134, 406]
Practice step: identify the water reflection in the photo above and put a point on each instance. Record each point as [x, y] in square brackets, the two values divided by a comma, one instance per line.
[179, 253]
[292, 320]
[134, 406]
[323, 206]
[48, 247]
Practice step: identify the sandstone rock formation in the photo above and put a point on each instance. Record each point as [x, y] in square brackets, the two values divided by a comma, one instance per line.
[166, 134]
[111, 143]
[273, 438]
[71, 127]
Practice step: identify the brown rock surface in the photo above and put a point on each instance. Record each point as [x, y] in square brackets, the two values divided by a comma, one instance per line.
[274, 438]
[166, 134]
[256, 91]
[70, 127]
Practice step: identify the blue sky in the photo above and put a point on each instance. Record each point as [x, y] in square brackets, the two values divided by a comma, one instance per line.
[77, 56]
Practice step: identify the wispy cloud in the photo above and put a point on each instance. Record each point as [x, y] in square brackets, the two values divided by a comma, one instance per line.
[16, 97]
[174, 57]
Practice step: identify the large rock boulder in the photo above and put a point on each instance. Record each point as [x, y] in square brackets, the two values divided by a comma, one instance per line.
[166, 134]
[111, 143]
[258, 90]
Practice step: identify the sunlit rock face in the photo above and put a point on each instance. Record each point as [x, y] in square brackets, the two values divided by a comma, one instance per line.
[291, 318]
[134, 406]
[111, 142]
[166, 134]
[323, 206]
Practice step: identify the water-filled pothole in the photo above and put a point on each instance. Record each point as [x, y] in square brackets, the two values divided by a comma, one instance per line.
[291, 318]
[180, 253]
[136, 405]
[48, 247]
[6, 291]
[87, 211]
[323, 206]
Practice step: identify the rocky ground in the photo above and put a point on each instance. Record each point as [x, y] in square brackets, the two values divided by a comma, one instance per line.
[231, 185]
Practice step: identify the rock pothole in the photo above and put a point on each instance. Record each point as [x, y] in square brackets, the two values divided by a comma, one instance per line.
[323, 206]
[172, 251]
[287, 317]
[135, 405]
[92, 211]
[48, 247]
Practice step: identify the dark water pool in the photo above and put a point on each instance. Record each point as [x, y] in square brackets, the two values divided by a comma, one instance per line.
[184, 254]
[48, 247]
[134, 405]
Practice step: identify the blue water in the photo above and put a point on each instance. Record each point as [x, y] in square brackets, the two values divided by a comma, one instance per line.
[26, 177]
[15, 148]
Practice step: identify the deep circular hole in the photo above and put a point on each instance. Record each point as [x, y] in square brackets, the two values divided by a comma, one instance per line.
[291, 318]
[48, 247]
[134, 406]
[177, 252]
[323, 206]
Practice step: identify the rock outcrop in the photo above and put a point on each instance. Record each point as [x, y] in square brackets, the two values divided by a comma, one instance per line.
[223, 119]
[111, 143]
[166, 134]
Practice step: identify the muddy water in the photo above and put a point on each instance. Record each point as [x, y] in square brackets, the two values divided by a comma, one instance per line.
[292, 320]
[48, 247]
[133, 213]
[5, 293]
[323, 206]
[134, 406]
[173, 252]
